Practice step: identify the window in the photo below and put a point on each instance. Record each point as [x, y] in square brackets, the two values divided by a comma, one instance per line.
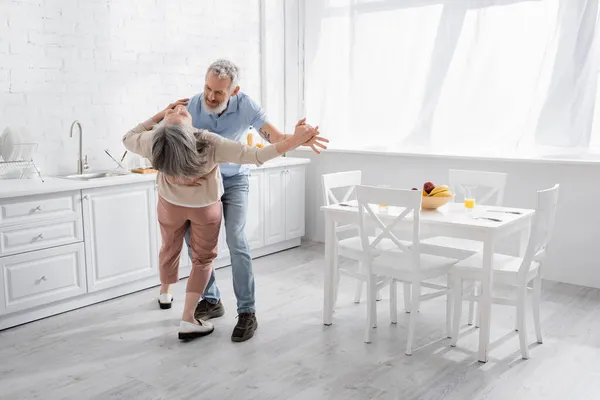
[495, 77]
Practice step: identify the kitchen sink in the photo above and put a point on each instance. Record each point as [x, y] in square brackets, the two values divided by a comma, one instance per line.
[94, 175]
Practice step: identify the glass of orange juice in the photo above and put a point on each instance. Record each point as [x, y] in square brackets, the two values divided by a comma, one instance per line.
[250, 139]
[469, 200]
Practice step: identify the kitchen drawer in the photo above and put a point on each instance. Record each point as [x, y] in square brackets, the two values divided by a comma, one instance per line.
[41, 277]
[41, 235]
[24, 210]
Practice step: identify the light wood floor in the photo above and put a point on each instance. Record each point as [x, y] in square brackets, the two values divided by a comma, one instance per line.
[128, 349]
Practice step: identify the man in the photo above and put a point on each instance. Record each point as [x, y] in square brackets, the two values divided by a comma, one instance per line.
[221, 108]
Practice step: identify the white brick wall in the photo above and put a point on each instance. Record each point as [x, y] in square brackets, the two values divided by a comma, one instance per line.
[112, 63]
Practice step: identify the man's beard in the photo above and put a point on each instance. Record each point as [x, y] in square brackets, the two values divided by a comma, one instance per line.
[215, 110]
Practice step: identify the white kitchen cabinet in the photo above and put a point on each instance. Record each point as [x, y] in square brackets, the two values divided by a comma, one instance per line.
[284, 204]
[255, 232]
[39, 235]
[32, 209]
[275, 198]
[40, 277]
[120, 230]
[294, 178]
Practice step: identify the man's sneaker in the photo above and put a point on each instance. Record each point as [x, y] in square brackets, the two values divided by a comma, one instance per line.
[245, 327]
[206, 310]
[189, 331]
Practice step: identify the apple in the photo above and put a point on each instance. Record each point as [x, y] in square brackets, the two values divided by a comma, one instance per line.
[428, 187]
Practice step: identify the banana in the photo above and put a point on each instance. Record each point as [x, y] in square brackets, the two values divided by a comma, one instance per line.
[441, 191]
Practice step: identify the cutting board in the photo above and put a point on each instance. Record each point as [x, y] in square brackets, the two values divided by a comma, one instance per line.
[144, 170]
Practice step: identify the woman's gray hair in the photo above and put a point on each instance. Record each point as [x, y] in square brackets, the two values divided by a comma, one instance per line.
[177, 152]
[225, 69]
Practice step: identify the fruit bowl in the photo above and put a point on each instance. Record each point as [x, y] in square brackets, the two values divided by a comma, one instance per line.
[434, 196]
[431, 202]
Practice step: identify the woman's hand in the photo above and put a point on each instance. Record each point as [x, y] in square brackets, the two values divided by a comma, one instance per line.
[161, 115]
[303, 134]
[316, 141]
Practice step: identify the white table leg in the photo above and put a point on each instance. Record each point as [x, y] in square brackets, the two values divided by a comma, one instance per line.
[485, 305]
[524, 240]
[329, 281]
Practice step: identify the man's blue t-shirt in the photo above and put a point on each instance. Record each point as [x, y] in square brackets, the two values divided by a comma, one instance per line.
[241, 114]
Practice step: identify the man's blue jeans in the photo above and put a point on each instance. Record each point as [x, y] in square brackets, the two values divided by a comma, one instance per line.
[235, 205]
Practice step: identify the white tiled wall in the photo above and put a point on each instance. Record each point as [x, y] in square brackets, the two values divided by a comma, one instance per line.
[112, 63]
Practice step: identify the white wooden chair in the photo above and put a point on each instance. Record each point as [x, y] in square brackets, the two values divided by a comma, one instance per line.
[385, 256]
[345, 180]
[488, 189]
[514, 271]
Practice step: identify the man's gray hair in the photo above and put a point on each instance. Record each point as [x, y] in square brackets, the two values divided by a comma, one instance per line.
[177, 152]
[225, 69]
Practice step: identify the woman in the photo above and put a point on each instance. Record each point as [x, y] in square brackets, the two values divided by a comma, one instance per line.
[190, 188]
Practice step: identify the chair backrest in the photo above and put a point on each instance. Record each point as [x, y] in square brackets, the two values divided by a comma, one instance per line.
[493, 183]
[408, 203]
[541, 228]
[336, 180]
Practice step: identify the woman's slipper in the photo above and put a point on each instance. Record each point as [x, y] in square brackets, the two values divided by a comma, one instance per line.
[165, 300]
[189, 331]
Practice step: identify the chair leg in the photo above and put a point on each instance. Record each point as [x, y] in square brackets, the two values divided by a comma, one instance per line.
[522, 297]
[358, 291]
[412, 321]
[472, 304]
[374, 292]
[477, 313]
[449, 301]
[407, 297]
[537, 294]
[379, 297]
[359, 284]
[457, 289]
[371, 307]
[336, 284]
[393, 302]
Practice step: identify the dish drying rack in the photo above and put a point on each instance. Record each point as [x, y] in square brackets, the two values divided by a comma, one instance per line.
[21, 158]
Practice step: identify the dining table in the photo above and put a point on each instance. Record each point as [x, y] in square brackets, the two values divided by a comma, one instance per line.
[486, 224]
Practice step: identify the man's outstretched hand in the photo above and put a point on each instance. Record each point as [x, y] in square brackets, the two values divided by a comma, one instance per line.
[316, 141]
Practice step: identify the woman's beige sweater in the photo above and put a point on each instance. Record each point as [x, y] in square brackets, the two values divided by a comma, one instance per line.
[210, 189]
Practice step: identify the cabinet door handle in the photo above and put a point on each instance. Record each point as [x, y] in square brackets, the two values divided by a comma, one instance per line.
[38, 208]
[40, 236]
[86, 197]
[43, 278]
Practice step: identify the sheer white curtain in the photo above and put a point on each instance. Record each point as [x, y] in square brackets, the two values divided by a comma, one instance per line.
[496, 77]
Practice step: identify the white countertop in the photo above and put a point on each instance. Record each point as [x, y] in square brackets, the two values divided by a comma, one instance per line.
[34, 186]
[282, 162]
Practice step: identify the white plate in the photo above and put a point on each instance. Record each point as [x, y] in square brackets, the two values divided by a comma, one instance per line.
[9, 138]
[16, 144]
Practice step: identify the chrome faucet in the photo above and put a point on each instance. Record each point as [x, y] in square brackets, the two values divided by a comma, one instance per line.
[82, 163]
